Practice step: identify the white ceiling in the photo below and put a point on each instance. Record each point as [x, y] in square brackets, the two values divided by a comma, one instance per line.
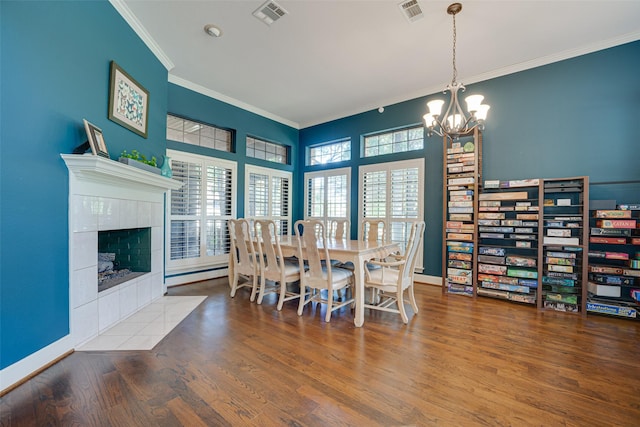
[328, 59]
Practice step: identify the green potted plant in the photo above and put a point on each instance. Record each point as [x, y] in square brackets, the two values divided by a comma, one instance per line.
[140, 161]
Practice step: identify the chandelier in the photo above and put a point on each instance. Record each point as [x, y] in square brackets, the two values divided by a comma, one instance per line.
[455, 122]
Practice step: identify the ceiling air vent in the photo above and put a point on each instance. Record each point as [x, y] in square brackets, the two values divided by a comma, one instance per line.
[411, 10]
[269, 12]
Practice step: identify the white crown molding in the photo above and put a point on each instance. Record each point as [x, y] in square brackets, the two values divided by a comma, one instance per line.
[227, 99]
[136, 25]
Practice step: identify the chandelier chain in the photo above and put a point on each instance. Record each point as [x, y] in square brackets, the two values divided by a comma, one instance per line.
[455, 70]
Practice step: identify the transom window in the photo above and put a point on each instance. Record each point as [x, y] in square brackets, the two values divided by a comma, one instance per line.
[398, 141]
[195, 133]
[266, 150]
[331, 152]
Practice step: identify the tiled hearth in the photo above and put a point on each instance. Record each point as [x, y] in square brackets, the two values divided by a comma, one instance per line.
[107, 195]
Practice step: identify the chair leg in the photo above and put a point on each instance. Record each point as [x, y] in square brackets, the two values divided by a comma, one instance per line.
[254, 289]
[234, 285]
[327, 317]
[400, 302]
[283, 291]
[412, 299]
[303, 297]
[263, 284]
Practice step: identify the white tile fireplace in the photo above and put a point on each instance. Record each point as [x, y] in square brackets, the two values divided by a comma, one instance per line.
[108, 195]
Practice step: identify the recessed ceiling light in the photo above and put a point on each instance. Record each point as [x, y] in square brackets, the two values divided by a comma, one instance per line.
[212, 30]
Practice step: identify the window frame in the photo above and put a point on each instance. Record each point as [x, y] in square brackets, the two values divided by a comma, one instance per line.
[188, 265]
[392, 144]
[214, 128]
[388, 217]
[276, 145]
[271, 173]
[309, 156]
[326, 174]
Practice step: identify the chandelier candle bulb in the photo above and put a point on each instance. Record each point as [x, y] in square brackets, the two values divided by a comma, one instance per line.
[435, 107]
[473, 102]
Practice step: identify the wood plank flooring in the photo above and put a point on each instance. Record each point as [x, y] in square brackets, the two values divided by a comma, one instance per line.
[459, 362]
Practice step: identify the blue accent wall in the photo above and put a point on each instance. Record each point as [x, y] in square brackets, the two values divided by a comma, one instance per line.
[575, 117]
[50, 80]
[192, 105]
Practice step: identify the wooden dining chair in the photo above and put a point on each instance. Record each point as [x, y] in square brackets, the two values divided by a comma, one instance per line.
[340, 229]
[320, 276]
[373, 230]
[393, 278]
[242, 257]
[273, 267]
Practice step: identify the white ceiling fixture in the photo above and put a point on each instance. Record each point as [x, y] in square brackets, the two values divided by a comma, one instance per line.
[212, 30]
[411, 10]
[455, 122]
[269, 12]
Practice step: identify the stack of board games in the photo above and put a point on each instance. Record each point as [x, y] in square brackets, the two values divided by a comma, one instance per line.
[614, 262]
[564, 238]
[461, 176]
[508, 231]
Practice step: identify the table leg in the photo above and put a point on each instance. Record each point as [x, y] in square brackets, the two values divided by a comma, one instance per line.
[358, 273]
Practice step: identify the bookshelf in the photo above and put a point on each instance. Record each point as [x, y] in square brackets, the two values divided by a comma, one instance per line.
[613, 286]
[564, 243]
[462, 171]
[508, 261]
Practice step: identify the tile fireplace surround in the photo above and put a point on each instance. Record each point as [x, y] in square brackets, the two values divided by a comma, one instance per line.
[108, 195]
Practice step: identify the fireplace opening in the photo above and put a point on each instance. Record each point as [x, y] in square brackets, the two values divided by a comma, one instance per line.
[123, 255]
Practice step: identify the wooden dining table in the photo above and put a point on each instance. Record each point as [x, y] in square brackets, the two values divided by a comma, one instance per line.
[356, 251]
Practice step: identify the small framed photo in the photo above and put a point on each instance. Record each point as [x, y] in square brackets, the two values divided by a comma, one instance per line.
[96, 140]
[128, 101]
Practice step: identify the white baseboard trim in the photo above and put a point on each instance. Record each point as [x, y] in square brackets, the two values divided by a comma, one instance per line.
[195, 277]
[22, 369]
[429, 280]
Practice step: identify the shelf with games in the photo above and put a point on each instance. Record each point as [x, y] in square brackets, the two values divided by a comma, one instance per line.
[564, 244]
[462, 171]
[508, 260]
[614, 260]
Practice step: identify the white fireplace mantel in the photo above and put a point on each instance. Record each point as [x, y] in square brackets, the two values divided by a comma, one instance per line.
[105, 171]
[108, 195]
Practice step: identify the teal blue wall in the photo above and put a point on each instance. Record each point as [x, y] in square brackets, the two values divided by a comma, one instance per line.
[576, 117]
[55, 59]
[50, 81]
[195, 106]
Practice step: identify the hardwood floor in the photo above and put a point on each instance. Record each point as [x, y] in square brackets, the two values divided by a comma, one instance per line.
[458, 362]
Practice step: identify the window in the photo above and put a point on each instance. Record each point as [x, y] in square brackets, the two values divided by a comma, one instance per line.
[190, 132]
[265, 150]
[268, 196]
[394, 193]
[398, 141]
[332, 152]
[327, 194]
[198, 211]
